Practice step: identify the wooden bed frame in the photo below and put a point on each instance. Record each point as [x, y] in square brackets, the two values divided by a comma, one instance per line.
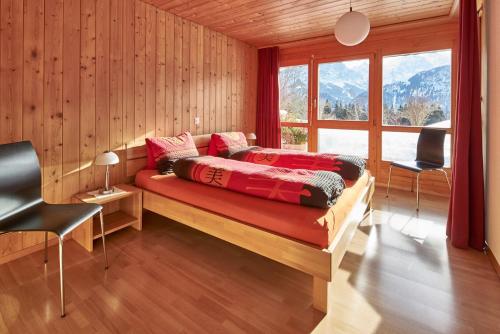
[320, 263]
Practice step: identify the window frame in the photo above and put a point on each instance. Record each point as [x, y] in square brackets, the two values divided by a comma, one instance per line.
[440, 46]
[342, 124]
[307, 124]
[374, 125]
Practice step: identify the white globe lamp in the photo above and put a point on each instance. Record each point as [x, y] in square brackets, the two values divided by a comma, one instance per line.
[352, 28]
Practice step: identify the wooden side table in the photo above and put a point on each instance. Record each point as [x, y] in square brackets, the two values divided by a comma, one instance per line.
[120, 210]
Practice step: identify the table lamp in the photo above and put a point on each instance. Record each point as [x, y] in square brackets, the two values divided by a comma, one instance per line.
[251, 137]
[106, 159]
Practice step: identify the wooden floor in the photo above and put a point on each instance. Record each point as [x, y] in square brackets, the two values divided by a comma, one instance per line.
[399, 276]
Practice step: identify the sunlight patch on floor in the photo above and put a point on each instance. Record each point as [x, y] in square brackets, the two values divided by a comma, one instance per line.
[356, 316]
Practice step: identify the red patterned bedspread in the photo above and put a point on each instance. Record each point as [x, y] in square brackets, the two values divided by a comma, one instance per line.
[305, 187]
[348, 166]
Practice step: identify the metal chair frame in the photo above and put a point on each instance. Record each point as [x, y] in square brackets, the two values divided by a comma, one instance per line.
[418, 183]
[61, 262]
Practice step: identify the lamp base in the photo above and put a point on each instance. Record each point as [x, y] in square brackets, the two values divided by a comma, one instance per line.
[107, 192]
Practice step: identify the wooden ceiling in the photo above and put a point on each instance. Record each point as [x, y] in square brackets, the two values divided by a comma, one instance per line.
[270, 22]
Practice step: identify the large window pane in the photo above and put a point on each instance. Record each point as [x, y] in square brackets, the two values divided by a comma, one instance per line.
[402, 146]
[343, 90]
[350, 142]
[294, 138]
[293, 82]
[417, 89]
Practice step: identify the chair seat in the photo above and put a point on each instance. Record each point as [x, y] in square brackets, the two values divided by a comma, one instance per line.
[57, 218]
[415, 166]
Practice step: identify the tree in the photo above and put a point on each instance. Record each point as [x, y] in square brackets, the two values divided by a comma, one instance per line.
[416, 111]
[435, 116]
[327, 109]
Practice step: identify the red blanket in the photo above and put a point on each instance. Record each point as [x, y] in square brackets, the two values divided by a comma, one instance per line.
[348, 166]
[298, 186]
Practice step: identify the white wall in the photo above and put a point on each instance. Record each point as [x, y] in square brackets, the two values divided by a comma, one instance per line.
[493, 144]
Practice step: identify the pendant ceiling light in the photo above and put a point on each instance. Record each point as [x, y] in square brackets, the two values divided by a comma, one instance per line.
[352, 28]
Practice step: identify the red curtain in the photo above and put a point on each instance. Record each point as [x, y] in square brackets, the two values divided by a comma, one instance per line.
[268, 128]
[466, 214]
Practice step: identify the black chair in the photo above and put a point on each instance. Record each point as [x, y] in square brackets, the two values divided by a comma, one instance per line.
[430, 156]
[22, 208]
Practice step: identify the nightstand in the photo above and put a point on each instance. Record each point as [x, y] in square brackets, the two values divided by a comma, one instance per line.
[121, 209]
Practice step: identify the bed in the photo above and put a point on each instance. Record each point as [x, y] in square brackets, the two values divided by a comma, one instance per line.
[311, 240]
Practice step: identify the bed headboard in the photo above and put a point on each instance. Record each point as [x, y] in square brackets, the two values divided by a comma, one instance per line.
[137, 156]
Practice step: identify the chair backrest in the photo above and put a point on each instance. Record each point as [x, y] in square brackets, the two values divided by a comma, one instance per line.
[430, 146]
[20, 180]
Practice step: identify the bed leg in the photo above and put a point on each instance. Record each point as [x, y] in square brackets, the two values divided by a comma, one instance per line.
[320, 294]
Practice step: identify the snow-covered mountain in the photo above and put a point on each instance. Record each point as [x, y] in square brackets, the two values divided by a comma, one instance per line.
[433, 85]
[349, 85]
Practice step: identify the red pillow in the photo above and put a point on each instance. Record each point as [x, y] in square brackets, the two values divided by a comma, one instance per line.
[222, 144]
[181, 146]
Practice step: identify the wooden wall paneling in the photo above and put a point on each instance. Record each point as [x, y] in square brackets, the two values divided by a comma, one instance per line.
[213, 82]
[102, 85]
[244, 78]
[239, 65]
[229, 84]
[10, 243]
[150, 71]
[79, 77]
[186, 46]
[169, 74]
[199, 80]
[87, 95]
[224, 84]
[178, 75]
[206, 80]
[33, 74]
[33, 89]
[246, 74]
[116, 88]
[52, 101]
[129, 72]
[234, 87]
[11, 71]
[218, 86]
[71, 98]
[140, 73]
[193, 84]
[160, 81]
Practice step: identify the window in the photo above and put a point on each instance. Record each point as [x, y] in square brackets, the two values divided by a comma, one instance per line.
[350, 142]
[417, 89]
[294, 110]
[343, 90]
[294, 138]
[293, 83]
[402, 146]
[372, 105]
[416, 93]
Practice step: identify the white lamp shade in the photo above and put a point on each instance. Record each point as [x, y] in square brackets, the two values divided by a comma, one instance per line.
[107, 158]
[352, 28]
[251, 136]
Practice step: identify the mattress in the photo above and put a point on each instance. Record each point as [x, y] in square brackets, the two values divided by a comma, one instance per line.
[314, 226]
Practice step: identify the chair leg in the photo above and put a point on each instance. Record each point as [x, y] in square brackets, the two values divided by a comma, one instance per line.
[418, 191]
[61, 275]
[103, 241]
[46, 257]
[447, 180]
[389, 182]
